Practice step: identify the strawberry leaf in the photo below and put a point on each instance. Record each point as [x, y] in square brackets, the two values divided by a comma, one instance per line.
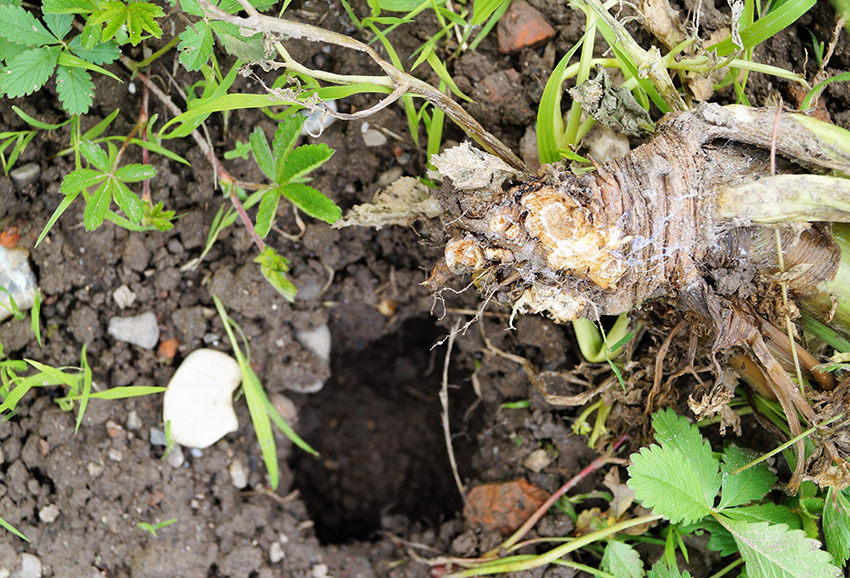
[312, 202]
[267, 211]
[675, 431]
[274, 269]
[262, 154]
[28, 71]
[100, 53]
[135, 173]
[285, 137]
[97, 206]
[622, 560]
[80, 179]
[196, 46]
[303, 160]
[75, 89]
[746, 486]
[59, 24]
[127, 200]
[95, 155]
[19, 26]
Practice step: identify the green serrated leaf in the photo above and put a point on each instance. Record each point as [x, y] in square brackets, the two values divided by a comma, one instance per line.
[189, 7]
[775, 551]
[836, 525]
[262, 153]
[285, 137]
[747, 486]
[135, 173]
[661, 570]
[141, 18]
[274, 269]
[80, 179]
[90, 36]
[675, 431]
[59, 24]
[312, 202]
[127, 200]
[100, 53]
[196, 46]
[667, 481]
[245, 48]
[303, 160]
[68, 6]
[9, 50]
[767, 512]
[75, 89]
[97, 206]
[233, 6]
[267, 212]
[28, 71]
[95, 155]
[622, 560]
[19, 26]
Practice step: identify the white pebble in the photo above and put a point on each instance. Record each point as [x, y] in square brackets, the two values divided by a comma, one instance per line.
[114, 455]
[537, 461]
[199, 399]
[95, 470]
[317, 340]
[238, 475]
[123, 297]
[276, 552]
[141, 330]
[320, 571]
[374, 138]
[175, 456]
[131, 88]
[48, 514]
[134, 422]
[17, 277]
[31, 567]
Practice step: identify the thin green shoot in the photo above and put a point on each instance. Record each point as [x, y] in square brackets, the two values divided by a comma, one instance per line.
[728, 568]
[12, 529]
[12, 307]
[152, 528]
[170, 441]
[241, 150]
[522, 404]
[35, 313]
[754, 34]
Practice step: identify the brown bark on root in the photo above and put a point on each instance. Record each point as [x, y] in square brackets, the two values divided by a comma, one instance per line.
[647, 228]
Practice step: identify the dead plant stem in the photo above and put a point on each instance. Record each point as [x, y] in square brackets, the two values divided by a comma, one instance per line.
[444, 402]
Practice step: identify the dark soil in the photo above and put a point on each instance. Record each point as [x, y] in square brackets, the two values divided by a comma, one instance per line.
[383, 480]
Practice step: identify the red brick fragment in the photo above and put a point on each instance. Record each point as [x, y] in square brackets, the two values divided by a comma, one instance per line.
[522, 26]
[168, 348]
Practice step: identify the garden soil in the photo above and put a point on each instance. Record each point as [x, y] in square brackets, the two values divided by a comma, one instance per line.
[381, 494]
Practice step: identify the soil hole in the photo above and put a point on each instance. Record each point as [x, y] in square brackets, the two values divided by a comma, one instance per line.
[377, 425]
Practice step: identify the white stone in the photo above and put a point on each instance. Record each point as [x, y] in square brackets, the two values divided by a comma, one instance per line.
[31, 567]
[141, 330]
[318, 120]
[95, 470]
[123, 297]
[275, 552]
[17, 278]
[199, 399]
[238, 475]
[48, 514]
[319, 571]
[537, 461]
[134, 422]
[374, 138]
[175, 456]
[114, 455]
[25, 175]
[317, 340]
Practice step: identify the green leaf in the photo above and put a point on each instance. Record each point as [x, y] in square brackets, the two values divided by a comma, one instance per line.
[68, 6]
[665, 480]
[80, 179]
[775, 551]
[19, 26]
[75, 89]
[71, 61]
[622, 560]
[34, 122]
[274, 269]
[245, 48]
[768, 512]
[127, 200]
[12, 529]
[262, 154]
[90, 36]
[137, 15]
[9, 50]
[303, 160]
[35, 312]
[482, 9]
[675, 431]
[28, 71]
[196, 46]
[267, 211]
[59, 24]
[759, 31]
[87, 381]
[747, 486]
[97, 206]
[95, 155]
[285, 137]
[189, 7]
[233, 6]
[100, 127]
[66, 202]
[135, 173]
[661, 570]
[312, 202]
[836, 525]
[101, 53]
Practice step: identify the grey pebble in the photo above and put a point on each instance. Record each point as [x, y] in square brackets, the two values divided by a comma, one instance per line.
[141, 330]
[175, 246]
[134, 422]
[175, 457]
[31, 567]
[25, 175]
[158, 437]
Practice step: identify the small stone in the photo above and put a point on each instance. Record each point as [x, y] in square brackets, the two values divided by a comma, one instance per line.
[199, 398]
[285, 407]
[275, 552]
[389, 176]
[2, 455]
[134, 422]
[43, 447]
[175, 457]
[372, 137]
[95, 470]
[317, 340]
[174, 246]
[114, 455]
[17, 277]
[528, 148]
[141, 330]
[537, 461]
[522, 26]
[31, 567]
[157, 437]
[168, 348]
[318, 120]
[33, 486]
[319, 571]
[238, 475]
[48, 514]
[196, 453]
[25, 175]
[123, 297]
[113, 429]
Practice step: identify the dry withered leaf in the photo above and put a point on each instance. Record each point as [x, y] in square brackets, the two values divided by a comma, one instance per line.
[503, 506]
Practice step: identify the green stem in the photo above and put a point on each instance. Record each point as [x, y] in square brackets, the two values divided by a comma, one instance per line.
[584, 66]
[137, 66]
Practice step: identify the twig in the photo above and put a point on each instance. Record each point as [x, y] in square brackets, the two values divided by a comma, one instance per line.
[444, 401]
[402, 82]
